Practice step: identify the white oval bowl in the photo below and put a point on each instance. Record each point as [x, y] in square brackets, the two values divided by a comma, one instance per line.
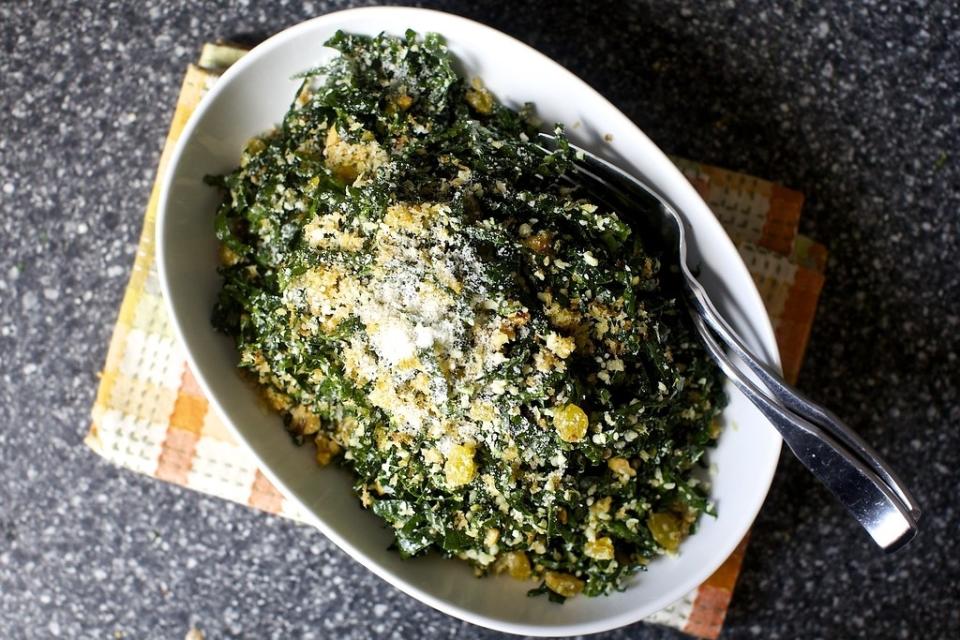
[251, 97]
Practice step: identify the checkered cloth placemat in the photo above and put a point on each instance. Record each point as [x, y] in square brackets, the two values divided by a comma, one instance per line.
[150, 416]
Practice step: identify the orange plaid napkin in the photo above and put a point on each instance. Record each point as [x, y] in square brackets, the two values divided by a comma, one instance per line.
[150, 416]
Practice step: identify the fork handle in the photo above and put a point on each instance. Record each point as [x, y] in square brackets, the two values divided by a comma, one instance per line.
[865, 494]
[793, 400]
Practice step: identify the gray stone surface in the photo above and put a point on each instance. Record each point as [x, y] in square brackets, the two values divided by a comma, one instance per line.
[856, 104]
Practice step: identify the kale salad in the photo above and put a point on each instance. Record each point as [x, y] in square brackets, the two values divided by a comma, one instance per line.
[503, 364]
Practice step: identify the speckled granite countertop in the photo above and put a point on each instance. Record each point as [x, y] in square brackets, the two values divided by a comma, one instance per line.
[857, 106]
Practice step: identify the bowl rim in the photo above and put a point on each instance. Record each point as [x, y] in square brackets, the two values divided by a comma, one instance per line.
[761, 325]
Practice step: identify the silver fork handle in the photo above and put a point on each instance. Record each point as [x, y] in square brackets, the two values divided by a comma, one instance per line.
[865, 495]
[793, 400]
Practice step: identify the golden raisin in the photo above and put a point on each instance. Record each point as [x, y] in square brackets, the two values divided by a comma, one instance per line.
[516, 564]
[563, 583]
[599, 549]
[253, 149]
[715, 428]
[479, 98]
[327, 448]
[228, 257]
[667, 530]
[460, 467]
[539, 242]
[571, 423]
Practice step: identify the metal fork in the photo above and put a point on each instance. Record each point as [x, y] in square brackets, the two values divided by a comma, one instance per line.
[832, 451]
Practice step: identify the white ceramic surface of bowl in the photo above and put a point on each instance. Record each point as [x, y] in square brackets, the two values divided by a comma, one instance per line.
[250, 98]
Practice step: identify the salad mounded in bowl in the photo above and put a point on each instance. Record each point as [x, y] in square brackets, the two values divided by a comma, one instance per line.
[505, 366]
[251, 99]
